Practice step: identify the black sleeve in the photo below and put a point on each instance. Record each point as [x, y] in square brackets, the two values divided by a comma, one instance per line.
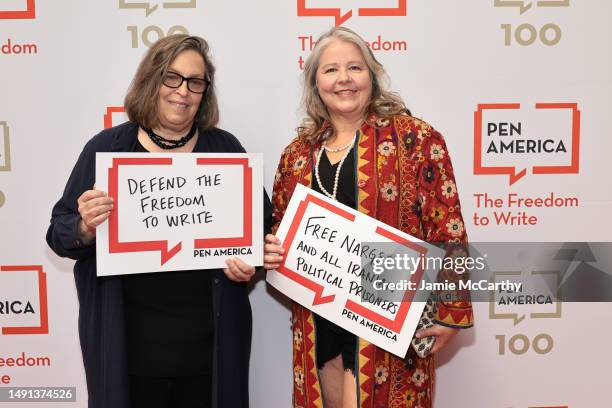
[267, 207]
[62, 235]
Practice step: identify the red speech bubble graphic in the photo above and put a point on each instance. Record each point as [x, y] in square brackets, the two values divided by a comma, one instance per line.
[398, 11]
[511, 171]
[394, 325]
[28, 13]
[43, 328]
[114, 246]
[247, 210]
[108, 116]
[336, 12]
[162, 245]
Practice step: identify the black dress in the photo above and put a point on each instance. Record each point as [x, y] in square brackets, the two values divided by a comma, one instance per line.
[332, 340]
[169, 336]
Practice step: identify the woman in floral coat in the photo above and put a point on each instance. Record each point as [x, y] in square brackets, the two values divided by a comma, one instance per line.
[360, 146]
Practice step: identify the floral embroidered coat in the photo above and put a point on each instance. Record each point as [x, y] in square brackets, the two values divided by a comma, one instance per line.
[405, 179]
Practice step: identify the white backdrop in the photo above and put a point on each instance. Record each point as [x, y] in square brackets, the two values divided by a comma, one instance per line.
[68, 61]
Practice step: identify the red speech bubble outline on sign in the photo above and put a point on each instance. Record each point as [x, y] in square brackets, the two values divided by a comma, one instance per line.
[514, 176]
[394, 325]
[43, 328]
[114, 246]
[247, 208]
[336, 12]
[28, 13]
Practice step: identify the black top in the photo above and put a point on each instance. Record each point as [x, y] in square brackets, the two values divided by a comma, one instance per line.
[332, 340]
[346, 183]
[169, 322]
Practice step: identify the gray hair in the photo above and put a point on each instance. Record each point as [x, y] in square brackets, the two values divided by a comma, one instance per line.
[382, 102]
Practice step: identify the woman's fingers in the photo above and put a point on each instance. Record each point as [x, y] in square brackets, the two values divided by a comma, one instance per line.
[273, 245]
[442, 334]
[273, 252]
[231, 272]
[271, 239]
[97, 210]
[238, 271]
[272, 261]
[90, 195]
[94, 222]
[94, 207]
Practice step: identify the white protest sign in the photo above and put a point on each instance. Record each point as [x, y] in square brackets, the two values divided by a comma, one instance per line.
[322, 270]
[179, 211]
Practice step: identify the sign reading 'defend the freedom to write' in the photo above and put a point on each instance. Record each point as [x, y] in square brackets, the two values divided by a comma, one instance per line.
[330, 250]
[179, 211]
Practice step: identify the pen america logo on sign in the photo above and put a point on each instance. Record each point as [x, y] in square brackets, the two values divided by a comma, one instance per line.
[23, 300]
[340, 13]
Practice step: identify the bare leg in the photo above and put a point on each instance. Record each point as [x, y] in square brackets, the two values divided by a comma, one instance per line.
[332, 382]
[349, 394]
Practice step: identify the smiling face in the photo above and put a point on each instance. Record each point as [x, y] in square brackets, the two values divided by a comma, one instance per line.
[177, 107]
[343, 80]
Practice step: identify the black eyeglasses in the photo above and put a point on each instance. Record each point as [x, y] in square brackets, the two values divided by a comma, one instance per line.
[195, 85]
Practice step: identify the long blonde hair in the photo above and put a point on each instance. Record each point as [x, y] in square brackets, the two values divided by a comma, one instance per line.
[383, 102]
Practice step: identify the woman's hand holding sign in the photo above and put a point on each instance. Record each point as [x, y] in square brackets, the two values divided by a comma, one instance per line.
[273, 252]
[94, 208]
[238, 270]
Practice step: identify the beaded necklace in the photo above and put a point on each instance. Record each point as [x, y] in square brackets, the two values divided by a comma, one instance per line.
[169, 144]
[348, 148]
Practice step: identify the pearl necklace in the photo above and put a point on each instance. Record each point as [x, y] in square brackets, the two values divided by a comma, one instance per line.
[338, 149]
[337, 178]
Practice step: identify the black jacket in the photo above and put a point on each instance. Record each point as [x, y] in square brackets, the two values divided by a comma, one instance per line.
[101, 314]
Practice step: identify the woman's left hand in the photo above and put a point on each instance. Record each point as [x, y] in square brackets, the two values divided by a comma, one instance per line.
[442, 334]
[238, 271]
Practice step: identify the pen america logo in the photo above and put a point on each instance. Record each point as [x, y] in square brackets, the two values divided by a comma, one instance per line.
[23, 300]
[510, 138]
[327, 8]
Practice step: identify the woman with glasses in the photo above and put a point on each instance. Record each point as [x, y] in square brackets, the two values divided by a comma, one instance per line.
[179, 339]
[359, 145]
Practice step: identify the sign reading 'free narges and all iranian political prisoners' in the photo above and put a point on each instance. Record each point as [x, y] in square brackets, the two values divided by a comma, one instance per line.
[330, 249]
[179, 211]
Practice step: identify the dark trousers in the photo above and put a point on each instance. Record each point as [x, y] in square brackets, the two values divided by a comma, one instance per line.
[171, 392]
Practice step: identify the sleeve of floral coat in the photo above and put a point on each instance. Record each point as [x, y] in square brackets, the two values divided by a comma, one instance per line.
[284, 184]
[441, 220]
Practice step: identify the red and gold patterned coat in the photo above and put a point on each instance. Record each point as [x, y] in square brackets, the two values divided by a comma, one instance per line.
[405, 179]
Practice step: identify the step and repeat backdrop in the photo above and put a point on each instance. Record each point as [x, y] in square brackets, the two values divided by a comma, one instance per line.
[521, 89]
